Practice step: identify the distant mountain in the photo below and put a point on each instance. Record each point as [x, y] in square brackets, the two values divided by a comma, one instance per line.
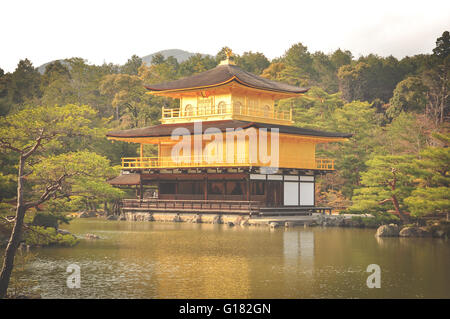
[41, 69]
[178, 54]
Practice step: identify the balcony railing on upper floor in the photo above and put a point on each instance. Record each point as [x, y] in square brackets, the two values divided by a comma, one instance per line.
[224, 110]
[189, 162]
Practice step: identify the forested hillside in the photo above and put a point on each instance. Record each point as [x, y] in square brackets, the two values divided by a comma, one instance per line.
[397, 110]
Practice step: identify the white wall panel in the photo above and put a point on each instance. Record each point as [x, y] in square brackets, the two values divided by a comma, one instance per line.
[290, 194]
[257, 176]
[306, 194]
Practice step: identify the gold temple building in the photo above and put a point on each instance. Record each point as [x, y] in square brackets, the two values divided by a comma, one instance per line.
[227, 148]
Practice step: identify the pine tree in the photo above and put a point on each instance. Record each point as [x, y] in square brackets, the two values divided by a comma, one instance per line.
[385, 185]
[432, 180]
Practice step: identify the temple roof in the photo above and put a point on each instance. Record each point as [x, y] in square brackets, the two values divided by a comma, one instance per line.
[167, 129]
[223, 74]
[126, 179]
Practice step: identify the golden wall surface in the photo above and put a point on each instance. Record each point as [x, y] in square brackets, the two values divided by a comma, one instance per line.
[244, 148]
[239, 104]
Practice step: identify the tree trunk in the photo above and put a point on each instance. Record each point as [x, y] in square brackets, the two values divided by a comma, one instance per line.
[394, 199]
[16, 235]
[403, 217]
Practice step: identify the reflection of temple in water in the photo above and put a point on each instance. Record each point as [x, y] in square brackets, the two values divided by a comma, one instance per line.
[298, 248]
[197, 261]
[213, 261]
[298, 251]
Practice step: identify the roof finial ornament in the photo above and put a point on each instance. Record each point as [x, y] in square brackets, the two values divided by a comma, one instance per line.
[229, 54]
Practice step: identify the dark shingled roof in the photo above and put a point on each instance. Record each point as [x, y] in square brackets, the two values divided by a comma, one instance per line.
[126, 179]
[167, 129]
[223, 74]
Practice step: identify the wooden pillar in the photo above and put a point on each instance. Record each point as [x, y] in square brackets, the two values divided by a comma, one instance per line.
[141, 187]
[248, 187]
[206, 186]
[157, 185]
[176, 188]
[159, 153]
[224, 191]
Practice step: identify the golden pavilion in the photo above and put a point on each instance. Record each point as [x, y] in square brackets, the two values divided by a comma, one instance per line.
[227, 148]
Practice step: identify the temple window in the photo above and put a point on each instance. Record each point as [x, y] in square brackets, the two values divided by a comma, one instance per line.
[188, 110]
[252, 107]
[204, 105]
[266, 110]
[237, 107]
[221, 108]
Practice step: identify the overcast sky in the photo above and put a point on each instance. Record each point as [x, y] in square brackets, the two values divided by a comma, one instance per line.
[112, 31]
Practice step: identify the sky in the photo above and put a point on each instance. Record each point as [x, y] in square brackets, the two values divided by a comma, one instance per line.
[112, 31]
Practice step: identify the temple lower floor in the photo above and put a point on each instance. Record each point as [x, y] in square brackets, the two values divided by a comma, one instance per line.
[282, 189]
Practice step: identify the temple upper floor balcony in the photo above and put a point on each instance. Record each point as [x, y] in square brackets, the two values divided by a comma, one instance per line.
[227, 111]
[133, 163]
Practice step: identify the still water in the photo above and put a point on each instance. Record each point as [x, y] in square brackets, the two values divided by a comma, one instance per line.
[181, 260]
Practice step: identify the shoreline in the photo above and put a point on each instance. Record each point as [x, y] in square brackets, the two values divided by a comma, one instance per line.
[439, 229]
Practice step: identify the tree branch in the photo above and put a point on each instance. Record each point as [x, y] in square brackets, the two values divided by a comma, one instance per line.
[49, 191]
[385, 201]
[7, 145]
[35, 146]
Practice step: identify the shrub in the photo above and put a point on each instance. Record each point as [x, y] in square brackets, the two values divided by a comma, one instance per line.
[42, 236]
[376, 221]
[49, 219]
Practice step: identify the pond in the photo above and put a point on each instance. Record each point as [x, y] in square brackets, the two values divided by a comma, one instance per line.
[182, 260]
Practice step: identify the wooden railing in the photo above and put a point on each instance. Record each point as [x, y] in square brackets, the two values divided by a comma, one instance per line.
[199, 112]
[168, 162]
[187, 162]
[210, 206]
[325, 163]
[170, 113]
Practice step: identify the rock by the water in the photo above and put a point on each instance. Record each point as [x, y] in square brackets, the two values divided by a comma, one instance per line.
[274, 225]
[87, 214]
[63, 232]
[196, 219]
[439, 233]
[440, 230]
[414, 232]
[217, 219]
[289, 224]
[112, 217]
[91, 236]
[244, 222]
[101, 213]
[390, 230]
